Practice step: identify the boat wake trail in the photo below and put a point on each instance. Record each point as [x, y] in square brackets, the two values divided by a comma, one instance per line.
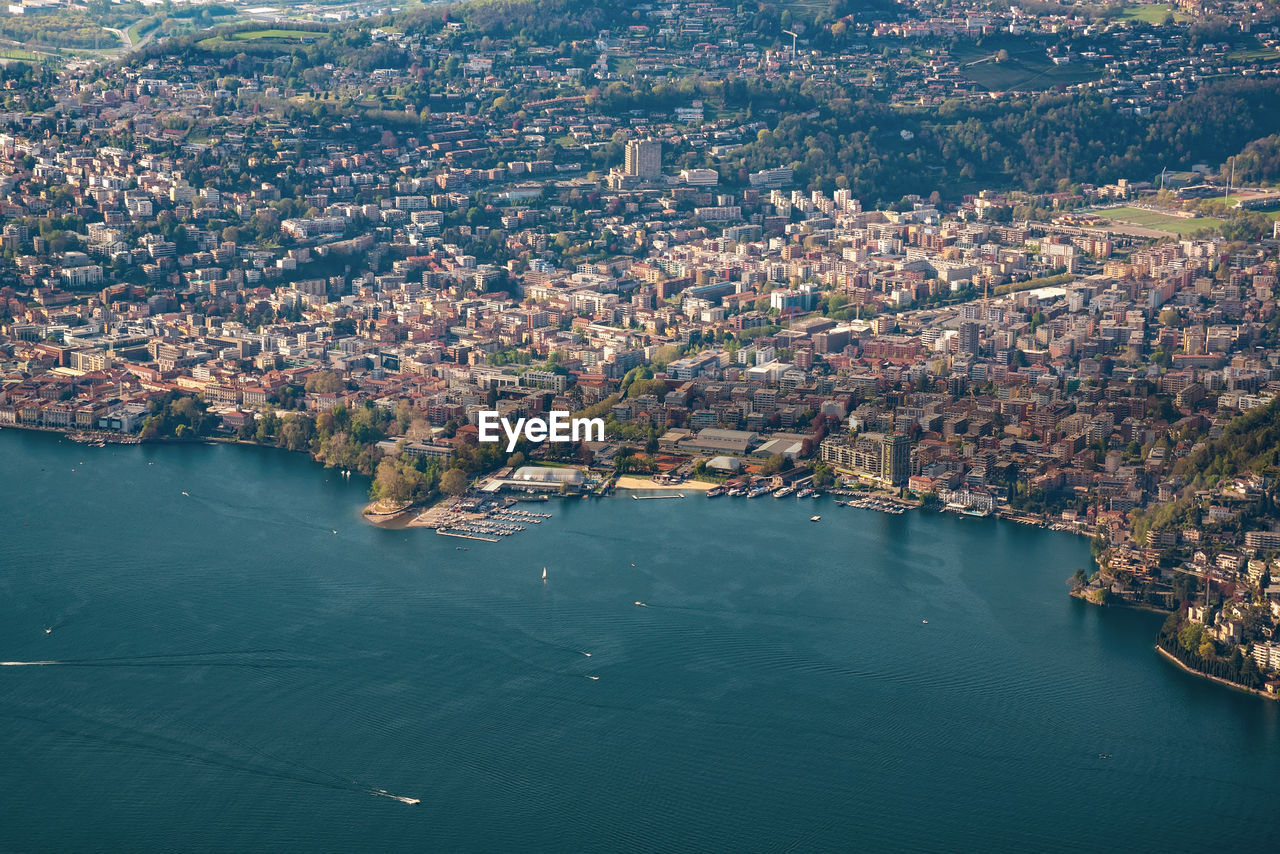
[550, 644]
[251, 658]
[273, 514]
[383, 793]
[233, 757]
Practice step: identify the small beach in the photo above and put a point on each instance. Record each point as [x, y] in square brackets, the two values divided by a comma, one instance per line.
[630, 482]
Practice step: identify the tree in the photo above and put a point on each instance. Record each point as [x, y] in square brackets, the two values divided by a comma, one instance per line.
[389, 483]
[773, 465]
[454, 482]
[325, 382]
[639, 387]
[1249, 673]
[294, 434]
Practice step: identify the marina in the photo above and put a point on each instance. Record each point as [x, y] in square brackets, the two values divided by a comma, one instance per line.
[100, 439]
[875, 504]
[487, 521]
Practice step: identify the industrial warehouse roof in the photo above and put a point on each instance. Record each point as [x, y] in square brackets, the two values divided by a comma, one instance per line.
[540, 474]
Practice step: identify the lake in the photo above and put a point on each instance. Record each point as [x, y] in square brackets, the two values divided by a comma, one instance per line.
[239, 662]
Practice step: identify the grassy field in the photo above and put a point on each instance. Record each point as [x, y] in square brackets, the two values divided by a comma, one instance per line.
[804, 10]
[1152, 13]
[1027, 68]
[254, 35]
[1261, 55]
[278, 39]
[1162, 222]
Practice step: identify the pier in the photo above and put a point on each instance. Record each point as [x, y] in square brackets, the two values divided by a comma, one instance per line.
[445, 532]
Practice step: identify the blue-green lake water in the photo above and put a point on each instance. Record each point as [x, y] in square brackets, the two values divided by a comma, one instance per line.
[229, 674]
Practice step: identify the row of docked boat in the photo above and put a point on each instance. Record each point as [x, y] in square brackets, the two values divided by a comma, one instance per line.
[874, 504]
[760, 490]
[488, 526]
[965, 510]
[519, 517]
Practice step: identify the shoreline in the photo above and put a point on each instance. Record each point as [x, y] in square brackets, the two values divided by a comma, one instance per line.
[390, 519]
[1081, 594]
[631, 483]
[1227, 682]
[418, 516]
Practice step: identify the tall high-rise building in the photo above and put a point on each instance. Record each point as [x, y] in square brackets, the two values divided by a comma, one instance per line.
[895, 459]
[880, 457]
[643, 158]
[969, 337]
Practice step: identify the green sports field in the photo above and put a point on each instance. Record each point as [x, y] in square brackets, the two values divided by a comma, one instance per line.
[1156, 220]
[1152, 13]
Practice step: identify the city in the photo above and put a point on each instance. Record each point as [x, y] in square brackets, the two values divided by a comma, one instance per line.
[993, 260]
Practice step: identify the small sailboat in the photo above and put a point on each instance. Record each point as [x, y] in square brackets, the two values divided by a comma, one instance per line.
[544, 573]
[48, 630]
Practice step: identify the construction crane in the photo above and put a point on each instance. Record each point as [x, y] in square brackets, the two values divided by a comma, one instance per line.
[794, 36]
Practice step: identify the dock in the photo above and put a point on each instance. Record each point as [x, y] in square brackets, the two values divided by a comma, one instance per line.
[655, 497]
[446, 533]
